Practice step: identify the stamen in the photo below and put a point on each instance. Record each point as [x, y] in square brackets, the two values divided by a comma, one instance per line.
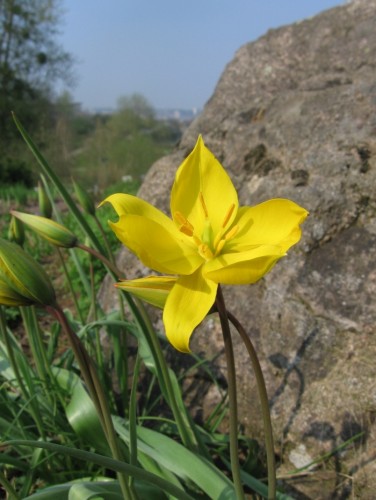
[233, 231]
[228, 215]
[217, 240]
[203, 204]
[205, 251]
[186, 230]
[219, 247]
[185, 226]
[220, 243]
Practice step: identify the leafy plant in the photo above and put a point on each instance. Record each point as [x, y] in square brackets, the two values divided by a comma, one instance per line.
[72, 421]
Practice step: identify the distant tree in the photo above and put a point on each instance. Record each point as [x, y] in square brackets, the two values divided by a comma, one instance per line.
[136, 104]
[127, 142]
[31, 61]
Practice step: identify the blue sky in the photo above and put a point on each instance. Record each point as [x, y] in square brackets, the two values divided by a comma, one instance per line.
[171, 51]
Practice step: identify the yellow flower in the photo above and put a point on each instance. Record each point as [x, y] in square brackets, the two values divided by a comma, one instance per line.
[209, 240]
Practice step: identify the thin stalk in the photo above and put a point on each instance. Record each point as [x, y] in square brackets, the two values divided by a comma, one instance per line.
[34, 409]
[269, 443]
[133, 412]
[11, 492]
[187, 433]
[42, 352]
[120, 348]
[233, 406]
[98, 347]
[89, 373]
[99, 256]
[35, 345]
[105, 239]
[70, 284]
[143, 323]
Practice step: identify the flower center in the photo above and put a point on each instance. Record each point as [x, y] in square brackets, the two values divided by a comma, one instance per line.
[207, 245]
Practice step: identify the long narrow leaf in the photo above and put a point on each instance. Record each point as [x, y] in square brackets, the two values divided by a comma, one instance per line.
[185, 464]
[80, 410]
[109, 463]
[46, 169]
[109, 490]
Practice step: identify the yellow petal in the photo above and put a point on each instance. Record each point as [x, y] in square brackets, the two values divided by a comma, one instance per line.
[159, 247]
[187, 305]
[274, 222]
[243, 268]
[128, 204]
[202, 173]
[151, 289]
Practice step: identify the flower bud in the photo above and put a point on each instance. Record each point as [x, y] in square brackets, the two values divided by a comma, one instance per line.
[16, 231]
[22, 278]
[84, 199]
[152, 289]
[45, 206]
[9, 296]
[54, 233]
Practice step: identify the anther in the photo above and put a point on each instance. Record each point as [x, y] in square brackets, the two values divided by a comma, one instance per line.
[185, 226]
[186, 230]
[203, 204]
[219, 246]
[228, 215]
[233, 231]
[205, 251]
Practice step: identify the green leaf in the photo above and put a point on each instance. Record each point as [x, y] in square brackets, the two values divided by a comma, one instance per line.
[80, 410]
[108, 463]
[187, 465]
[46, 169]
[106, 490]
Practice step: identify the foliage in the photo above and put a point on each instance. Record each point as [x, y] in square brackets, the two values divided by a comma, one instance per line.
[51, 422]
[125, 143]
[31, 61]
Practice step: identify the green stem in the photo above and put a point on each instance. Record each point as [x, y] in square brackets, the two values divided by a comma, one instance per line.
[186, 432]
[133, 412]
[143, 323]
[89, 373]
[269, 444]
[34, 408]
[36, 347]
[11, 492]
[98, 347]
[101, 257]
[70, 284]
[121, 357]
[231, 380]
[105, 239]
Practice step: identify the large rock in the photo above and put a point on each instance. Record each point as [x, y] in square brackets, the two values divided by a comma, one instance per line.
[294, 115]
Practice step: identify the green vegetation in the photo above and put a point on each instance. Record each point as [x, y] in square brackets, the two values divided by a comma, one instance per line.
[54, 432]
[31, 62]
[99, 149]
[103, 149]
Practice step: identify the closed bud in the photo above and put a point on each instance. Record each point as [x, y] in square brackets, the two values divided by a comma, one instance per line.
[84, 199]
[54, 233]
[22, 280]
[16, 231]
[9, 296]
[45, 206]
[152, 289]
